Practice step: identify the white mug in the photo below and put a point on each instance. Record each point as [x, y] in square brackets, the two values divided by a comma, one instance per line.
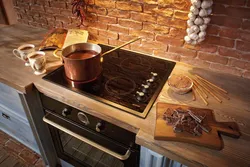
[22, 51]
[37, 62]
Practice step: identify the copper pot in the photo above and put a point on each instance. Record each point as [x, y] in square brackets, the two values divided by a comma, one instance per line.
[87, 69]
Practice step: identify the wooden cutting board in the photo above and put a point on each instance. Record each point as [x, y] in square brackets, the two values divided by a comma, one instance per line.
[211, 140]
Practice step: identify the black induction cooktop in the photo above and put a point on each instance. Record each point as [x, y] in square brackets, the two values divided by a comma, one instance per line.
[129, 81]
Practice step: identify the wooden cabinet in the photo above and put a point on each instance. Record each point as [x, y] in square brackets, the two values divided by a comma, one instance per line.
[13, 120]
[150, 158]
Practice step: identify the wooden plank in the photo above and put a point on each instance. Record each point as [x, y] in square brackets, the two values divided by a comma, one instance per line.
[9, 162]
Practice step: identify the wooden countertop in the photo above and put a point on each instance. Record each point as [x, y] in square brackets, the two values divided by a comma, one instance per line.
[236, 152]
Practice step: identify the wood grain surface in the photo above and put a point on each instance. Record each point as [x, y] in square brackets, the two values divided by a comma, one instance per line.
[211, 140]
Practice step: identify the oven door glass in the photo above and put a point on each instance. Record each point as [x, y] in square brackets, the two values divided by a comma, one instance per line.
[81, 147]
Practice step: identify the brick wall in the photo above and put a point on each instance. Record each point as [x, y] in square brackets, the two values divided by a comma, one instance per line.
[162, 23]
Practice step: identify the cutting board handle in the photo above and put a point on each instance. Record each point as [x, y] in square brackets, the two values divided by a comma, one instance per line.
[228, 128]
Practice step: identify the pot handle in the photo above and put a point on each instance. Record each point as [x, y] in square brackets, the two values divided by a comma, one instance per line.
[56, 55]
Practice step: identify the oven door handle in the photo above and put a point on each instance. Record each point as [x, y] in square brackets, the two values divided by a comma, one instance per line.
[94, 144]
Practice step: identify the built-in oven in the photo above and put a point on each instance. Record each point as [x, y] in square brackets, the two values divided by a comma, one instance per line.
[84, 140]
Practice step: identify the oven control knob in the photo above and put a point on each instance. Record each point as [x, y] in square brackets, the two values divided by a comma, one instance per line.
[66, 111]
[140, 95]
[149, 81]
[154, 74]
[144, 88]
[83, 118]
[99, 126]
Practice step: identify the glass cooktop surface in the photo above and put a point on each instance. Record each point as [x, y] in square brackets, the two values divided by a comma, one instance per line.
[129, 81]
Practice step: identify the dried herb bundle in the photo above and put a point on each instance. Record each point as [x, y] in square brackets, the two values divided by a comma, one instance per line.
[79, 9]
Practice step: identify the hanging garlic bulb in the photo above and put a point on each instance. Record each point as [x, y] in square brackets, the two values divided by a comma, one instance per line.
[206, 4]
[194, 28]
[193, 36]
[196, 3]
[190, 23]
[203, 27]
[194, 10]
[203, 13]
[191, 16]
[206, 20]
[187, 39]
[202, 34]
[198, 21]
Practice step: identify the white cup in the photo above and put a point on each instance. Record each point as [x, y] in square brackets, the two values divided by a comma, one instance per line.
[22, 52]
[37, 61]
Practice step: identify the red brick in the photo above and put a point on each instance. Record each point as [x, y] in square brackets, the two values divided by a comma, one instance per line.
[213, 29]
[144, 34]
[66, 12]
[108, 34]
[148, 8]
[219, 9]
[229, 32]
[154, 45]
[229, 52]
[107, 19]
[105, 3]
[226, 21]
[50, 10]
[120, 13]
[41, 2]
[245, 56]
[36, 8]
[177, 33]
[102, 39]
[97, 10]
[202, 47]
[99, 25]
[225, 69]
[92, 30]
[246, 74]
[167, 55]
[244, 35]
[27, 17]
[237, 63]
[126, 5]
[247, 66]
[118, 28]
[166, 12]
[212, 58]
[220, 41]
[24, 5]
[63, 18]
[169, 40]
[182, 51]
[155, 28]
[125, 38]
[243, 46]
[92, 17]
[40, 20]
[146, 1]
[143, 17]
[181, 15]
[240, 12]
[166, 3]
[29, 156]
[231, 2]
[195, 62]
[130, 23]
[114, 42]
[182, 4]
[177, 23]
[140, 48]
[57, 4]
[246, 25]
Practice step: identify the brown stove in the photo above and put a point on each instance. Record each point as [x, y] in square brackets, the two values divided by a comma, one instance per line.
[129, 81]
